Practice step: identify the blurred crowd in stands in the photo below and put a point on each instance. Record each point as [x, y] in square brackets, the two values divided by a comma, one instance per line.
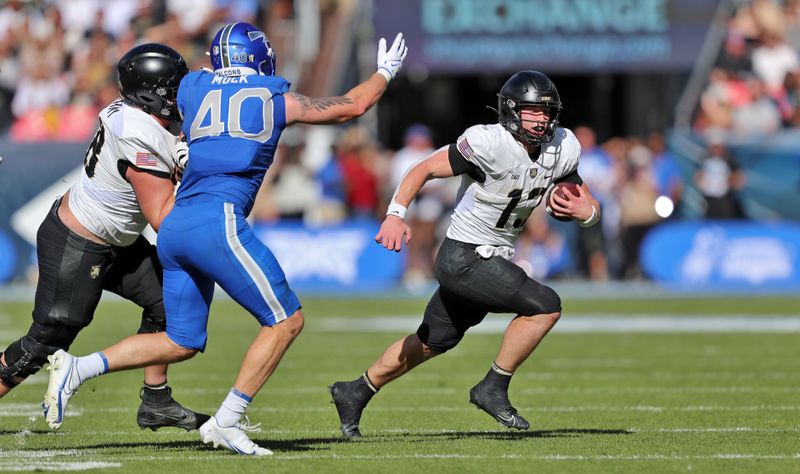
[57, 63]
[58, 57]
[753, 91]
[754, 87]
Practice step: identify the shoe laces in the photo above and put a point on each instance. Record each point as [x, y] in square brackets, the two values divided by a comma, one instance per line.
[246, 426]
[73, 375]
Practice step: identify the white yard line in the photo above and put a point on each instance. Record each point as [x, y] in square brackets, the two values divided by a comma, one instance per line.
[226, 457]
[32, 410]
[598, 323]
[39, 378]
[45, 453]
[736, 429]
[51, 460]
[57, 466]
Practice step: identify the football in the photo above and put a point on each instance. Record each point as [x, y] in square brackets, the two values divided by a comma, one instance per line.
[559, 189]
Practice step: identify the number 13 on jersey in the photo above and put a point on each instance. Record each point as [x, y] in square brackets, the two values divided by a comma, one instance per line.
[535, 196]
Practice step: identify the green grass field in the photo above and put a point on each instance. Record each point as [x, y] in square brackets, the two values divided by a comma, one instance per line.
[597, 401]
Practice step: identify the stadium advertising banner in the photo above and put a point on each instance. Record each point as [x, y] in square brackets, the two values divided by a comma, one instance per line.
[32, 176]
[340, 257]
[469, 36]
[724, 255]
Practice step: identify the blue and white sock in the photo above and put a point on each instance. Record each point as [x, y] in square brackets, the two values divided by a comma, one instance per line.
[232, 408]
[88, 367]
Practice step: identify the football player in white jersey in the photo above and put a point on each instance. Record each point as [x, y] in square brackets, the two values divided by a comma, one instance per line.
[507, 170]
[91, 239]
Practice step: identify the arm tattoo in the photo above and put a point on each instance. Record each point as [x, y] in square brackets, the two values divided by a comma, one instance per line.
[308, 103]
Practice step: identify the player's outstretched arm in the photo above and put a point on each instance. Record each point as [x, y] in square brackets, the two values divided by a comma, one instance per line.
[356, 102]
[394, 230]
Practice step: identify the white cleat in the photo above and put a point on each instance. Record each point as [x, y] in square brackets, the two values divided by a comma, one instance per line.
[59, 388]
[233, 438]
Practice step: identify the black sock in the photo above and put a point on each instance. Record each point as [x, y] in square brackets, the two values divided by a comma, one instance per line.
[498, 377]
[156, 394]
[364, 388]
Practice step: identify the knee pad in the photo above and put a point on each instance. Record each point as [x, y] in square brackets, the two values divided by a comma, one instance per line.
[439, 339]
[27, 355]
[438, 332]
[8, 373]
[447, 318]
[154, 319]
[540, 299]
[550, 301]
[24, 357]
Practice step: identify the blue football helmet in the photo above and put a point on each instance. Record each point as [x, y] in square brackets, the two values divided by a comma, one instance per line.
[242, 45]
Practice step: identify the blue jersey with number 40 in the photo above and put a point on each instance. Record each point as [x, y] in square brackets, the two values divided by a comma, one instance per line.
[232, 125]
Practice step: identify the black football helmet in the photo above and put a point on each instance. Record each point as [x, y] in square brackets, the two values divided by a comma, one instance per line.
[527, 88]
[149, 75]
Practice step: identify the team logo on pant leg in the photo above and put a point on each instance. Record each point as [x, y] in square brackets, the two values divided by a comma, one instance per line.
[94, 272]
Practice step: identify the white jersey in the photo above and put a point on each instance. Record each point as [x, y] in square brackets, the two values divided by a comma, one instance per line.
[494, 212]
[103, 200]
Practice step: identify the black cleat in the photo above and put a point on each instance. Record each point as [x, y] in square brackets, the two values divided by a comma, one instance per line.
[495, 402]
[167, 413]
[350, 403]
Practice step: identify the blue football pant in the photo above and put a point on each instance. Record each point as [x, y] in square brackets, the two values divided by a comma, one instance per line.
[201, 244]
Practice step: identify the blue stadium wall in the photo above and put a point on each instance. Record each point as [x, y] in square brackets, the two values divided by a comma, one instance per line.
[763, 253]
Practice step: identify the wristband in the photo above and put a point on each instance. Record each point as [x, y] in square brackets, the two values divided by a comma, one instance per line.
[397, 210]
[385, 73]
[592, 220]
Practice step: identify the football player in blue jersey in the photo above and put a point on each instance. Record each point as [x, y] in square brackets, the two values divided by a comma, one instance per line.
[233, 118]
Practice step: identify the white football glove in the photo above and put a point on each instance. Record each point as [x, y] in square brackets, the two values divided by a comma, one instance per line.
[181, 155]
[389, 62]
